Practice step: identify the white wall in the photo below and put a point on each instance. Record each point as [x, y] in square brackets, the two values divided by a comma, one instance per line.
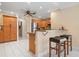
[69, 18]
[1, 19]
[27, 25]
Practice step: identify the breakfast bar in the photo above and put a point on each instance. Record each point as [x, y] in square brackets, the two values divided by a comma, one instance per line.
[39, 41]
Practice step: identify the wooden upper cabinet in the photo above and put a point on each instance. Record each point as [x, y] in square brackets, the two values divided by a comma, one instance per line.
[41, 23]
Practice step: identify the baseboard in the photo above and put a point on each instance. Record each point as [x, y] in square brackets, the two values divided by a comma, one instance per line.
[8, 41]
[42, 54]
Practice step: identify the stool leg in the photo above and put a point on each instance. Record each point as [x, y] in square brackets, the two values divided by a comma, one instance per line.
[71, 43]
[65, 49]
[49, 48]
[56, 49]
[59, 48]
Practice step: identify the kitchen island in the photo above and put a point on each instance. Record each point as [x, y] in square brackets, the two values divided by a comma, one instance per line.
[39, 41]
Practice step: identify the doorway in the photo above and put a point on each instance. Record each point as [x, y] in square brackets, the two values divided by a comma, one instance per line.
[20, 29]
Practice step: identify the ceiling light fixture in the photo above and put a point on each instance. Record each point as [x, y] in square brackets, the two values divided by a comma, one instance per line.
[12, 12]
[41, 7]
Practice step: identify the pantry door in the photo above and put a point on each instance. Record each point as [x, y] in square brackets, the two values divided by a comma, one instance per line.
[13, 28]
[10, 28]
[6, 28]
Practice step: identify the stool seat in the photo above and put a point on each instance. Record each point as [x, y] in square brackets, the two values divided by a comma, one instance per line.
[66, 36]
[58, 39]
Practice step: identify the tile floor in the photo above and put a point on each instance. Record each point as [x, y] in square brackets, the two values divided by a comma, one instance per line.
[14, 49]
[20, 49]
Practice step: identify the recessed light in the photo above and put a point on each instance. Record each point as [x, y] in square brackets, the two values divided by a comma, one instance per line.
[12, 12]
[41, 7]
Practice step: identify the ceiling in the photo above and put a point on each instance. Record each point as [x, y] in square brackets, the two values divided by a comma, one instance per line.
[42, 9]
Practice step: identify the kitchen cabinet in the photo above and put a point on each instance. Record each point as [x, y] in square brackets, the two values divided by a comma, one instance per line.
[41, 24]
[32, 46]
[8, 30]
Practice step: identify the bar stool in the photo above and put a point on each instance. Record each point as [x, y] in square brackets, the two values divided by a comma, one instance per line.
[68, 42]
[58, 40]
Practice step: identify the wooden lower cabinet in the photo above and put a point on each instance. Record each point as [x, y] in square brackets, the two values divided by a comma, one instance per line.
[32, 43]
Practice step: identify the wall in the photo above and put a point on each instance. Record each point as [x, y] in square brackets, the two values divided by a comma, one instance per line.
[27, 25]
[69, 18]
[1, 19]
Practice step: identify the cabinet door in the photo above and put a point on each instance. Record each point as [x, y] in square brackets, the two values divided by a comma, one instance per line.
[6, 28]
[13, 28]
[1, 36]
[9, 28]
[6, 33]
[32, 43]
